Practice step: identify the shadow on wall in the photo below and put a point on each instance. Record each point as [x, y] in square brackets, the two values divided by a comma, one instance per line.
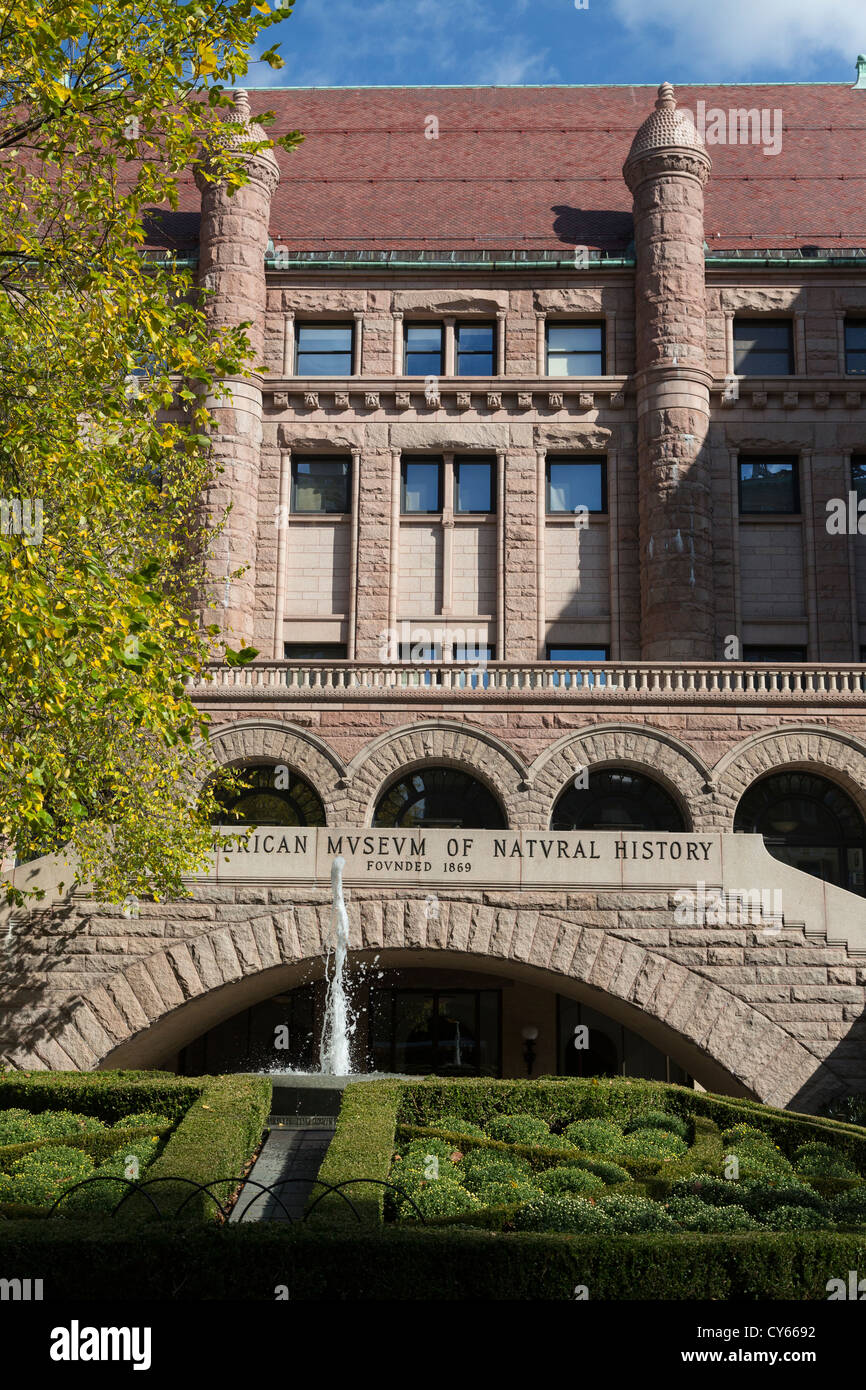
[604, 231]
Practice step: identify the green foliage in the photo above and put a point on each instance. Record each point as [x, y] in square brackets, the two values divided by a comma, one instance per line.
[632, 1215]
[796, 1218]
[38, 1178]
[555, 1212]
[610, 1173]
[659, 1119]
[653, 1144]
[362, 1147]
[757, 1196]
[694, 1215]
[815, 1160]
[17, 1126]
[221, 1123]
[596, 1136]
[457, 1125]
[444, 1197]
[104, 108]
[410, 1262]
[519, 1129]
[505, 1194]
[484, 1166]
[851, 1109]
[569, 1179]
[849, 1208]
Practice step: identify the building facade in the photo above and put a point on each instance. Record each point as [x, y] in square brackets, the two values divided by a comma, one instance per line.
[549, 519]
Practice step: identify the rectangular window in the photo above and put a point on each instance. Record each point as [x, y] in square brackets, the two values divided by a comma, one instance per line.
[424, 349]
[763, 347]
[474, 485]
[575, 349]
[769, 485]
[421, 490]
[321, 485]
[314, 651]
[577, 653]
[764, 653]
[855, 347]
[574, 484]
[571, 680]
[455, 1032]
[323, 349]
[858, 476]
[476, 349]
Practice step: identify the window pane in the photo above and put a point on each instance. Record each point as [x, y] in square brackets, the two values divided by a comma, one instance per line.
[422, 490]
[424, 337]
[315, 337]
[763, 347]
[858, 477]
[575, 337]
[314, 651]
[764, 653]
[855, 334]
[324, 349]
[475, 337]
[575, 349]
[768, 485]
[473, 486]
[577, 653]
[475, 349]
[571, 485]
[480, 651]
[320, 485]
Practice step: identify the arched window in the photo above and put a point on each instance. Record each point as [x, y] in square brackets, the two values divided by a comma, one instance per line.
[808, 822]
[273, 796]
[617, 799]
[439, 797]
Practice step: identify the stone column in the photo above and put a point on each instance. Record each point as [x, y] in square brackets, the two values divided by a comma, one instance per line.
[666, 170]
[232, 244]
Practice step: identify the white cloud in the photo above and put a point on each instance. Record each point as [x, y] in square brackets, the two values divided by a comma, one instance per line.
[738, 36]
[512, 66]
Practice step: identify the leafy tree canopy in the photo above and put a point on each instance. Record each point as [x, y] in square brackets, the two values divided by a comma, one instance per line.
[106, 358]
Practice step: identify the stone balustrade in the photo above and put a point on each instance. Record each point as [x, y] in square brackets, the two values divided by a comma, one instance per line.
[629, 682]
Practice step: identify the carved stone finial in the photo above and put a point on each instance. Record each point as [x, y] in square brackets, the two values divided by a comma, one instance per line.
[665, 99]
[242, 104]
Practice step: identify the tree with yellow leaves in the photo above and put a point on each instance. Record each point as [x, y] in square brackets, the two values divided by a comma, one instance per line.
[106, 360]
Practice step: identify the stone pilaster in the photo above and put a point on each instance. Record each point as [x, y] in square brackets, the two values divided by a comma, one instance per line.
[232, 245]
[666, 170]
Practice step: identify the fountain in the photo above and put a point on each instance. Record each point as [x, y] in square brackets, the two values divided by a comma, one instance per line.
[338, 1025]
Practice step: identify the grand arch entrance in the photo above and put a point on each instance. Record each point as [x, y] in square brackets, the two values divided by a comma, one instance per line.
[706, 1032]
[445, 1021]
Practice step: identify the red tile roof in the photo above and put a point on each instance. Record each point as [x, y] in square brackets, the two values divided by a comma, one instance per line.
[539, 168]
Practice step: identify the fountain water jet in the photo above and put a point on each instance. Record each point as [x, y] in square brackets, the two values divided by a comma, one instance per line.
[338, 1025]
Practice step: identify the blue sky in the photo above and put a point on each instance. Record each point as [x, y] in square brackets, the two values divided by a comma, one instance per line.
[345, 43]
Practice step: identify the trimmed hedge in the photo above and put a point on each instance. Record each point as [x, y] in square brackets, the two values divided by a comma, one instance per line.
[109, 1095]
[409, 1263]
[99, 1146]
[221, 1123]
[362, 1147]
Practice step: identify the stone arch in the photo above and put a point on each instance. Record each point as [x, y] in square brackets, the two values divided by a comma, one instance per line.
[830, 753]
[672, 764]
[446, 743]
[137, 1015]
[267, 741]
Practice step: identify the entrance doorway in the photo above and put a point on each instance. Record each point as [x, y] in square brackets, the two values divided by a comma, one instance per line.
[447, 1032]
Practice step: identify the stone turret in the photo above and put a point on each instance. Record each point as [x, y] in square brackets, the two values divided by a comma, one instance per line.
[232, 245]
[666, 170]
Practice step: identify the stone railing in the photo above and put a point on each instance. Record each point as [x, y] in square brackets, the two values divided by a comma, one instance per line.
[610, 681]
